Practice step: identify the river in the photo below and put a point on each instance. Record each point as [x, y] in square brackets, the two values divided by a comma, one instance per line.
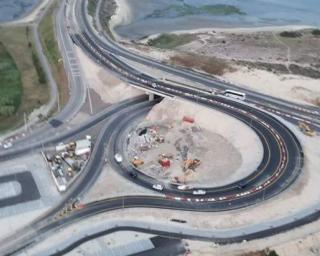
[13, 9]
[158, 16]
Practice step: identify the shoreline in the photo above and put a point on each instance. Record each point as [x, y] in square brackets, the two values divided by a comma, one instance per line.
[123, 16]
[234, 30]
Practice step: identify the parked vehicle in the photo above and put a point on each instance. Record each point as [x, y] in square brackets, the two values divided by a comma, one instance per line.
[7, 145]
[179, 220]
[133, 175]
[184, 187]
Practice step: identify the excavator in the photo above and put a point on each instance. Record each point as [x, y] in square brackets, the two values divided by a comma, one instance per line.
[306, 129]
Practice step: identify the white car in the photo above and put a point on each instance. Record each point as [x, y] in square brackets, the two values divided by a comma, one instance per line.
[118, 158]
[184, 187]
[157, 187]
[7, 145]
[199, 192]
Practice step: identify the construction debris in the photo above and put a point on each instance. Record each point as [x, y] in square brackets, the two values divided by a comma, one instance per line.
[169, 156]
[150, 146]
[67, 161]
[165, 162]
[188, 119]
[191, 164]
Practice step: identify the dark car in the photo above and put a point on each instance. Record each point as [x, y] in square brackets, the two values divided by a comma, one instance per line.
[241, 185]
[178, 220]
[133, 175]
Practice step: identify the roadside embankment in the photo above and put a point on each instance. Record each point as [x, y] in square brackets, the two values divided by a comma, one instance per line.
[51, 50]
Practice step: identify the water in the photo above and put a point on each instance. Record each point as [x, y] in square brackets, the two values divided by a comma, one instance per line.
[13, 9]
[158, 16]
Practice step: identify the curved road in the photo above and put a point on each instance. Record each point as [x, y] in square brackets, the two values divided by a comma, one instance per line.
[280, 166]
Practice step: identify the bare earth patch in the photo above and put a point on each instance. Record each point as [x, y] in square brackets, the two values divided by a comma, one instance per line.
[224, 156]
[288, 87]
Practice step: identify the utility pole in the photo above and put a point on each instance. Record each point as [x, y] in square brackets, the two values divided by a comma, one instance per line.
[58, 101]
[25, 121]
[89, 98]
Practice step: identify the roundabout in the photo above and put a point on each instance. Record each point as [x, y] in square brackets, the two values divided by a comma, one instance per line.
[280, 165]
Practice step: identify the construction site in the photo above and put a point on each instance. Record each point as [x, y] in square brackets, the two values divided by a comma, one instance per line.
[191, 146]
[66, 161]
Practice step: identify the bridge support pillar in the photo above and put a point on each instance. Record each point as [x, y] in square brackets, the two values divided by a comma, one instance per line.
[151, 96]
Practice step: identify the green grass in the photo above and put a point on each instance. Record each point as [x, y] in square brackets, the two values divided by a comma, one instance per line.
[174, 10]
[315, 32]
[10, 84]
[33, 94]
[91, 8]
[220, 9]
[207, 64]
[41, 74]
[51, 50]
[170, 41]
[48, 39]
[291, 34]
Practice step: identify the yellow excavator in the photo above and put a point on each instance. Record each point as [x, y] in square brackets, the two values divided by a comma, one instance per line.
[306, 129]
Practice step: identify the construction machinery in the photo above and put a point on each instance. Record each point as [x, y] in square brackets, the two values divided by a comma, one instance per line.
[137, 162]
[306, 129]
[191, 164]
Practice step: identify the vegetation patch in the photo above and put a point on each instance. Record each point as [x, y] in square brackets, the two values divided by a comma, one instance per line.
[91, 7]
[174, 10]
[10, 84]
[170, 41]
[209, 65]
[291, 34]
[281, 68]
[315, 32]
[266, 252]
[106, 11]
[30, 94]
[41, 75]
[51, 50]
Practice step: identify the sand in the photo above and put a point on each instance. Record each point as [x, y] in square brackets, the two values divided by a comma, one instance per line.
[223, 133]
[122, 16]
[293, 88]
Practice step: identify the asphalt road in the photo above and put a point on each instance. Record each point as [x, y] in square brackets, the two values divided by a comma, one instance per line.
[281, 165]
[35, 144]
[281, 150]
[45, 227]
[288, 110]
[29, 189]
[287, 152]
[32, 232]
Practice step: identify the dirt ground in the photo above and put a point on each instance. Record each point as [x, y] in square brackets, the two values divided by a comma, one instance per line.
[266, 46]
[107, 86]
[294, 88]
[213, 139]
[183, 141]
